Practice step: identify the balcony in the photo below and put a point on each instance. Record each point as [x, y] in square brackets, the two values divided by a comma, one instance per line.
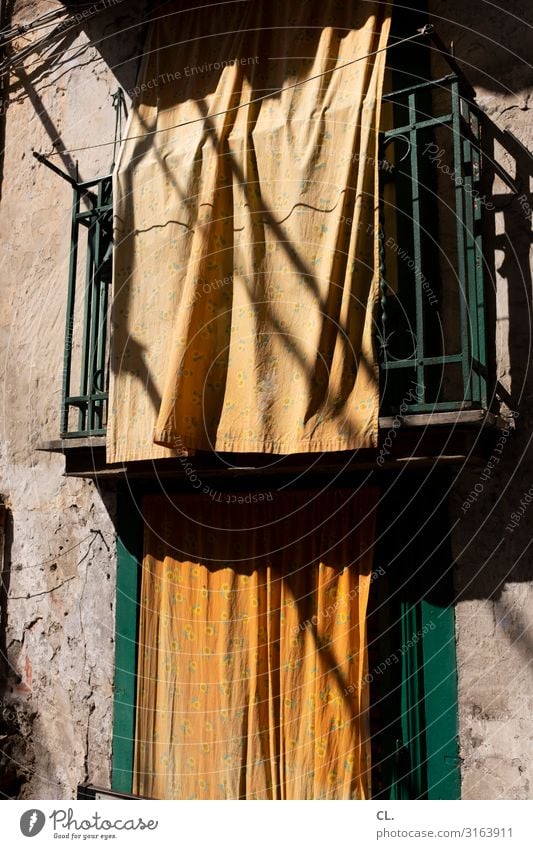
[431, 323]
[432, 334]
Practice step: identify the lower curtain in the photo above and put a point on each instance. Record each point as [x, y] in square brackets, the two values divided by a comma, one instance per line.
[252, 646]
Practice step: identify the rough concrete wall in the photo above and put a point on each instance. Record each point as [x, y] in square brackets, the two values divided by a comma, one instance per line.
[60, 558]
[494, 571]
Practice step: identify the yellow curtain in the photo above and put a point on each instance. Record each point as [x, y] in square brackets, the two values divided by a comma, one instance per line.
[245, 268]
[252, 646]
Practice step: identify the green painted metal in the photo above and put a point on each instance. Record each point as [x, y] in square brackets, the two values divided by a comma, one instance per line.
[478, 254]
[426, 361]
[417, 691]
[96, 223]
[412, 702]
[460, 233]
[428, 748]
[470, 136]
[440, 701]
[87, 321]
[419, 243]
[71, 295]
[129, 558]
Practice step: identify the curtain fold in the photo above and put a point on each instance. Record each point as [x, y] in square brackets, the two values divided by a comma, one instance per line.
[252, 646]
[246, 254]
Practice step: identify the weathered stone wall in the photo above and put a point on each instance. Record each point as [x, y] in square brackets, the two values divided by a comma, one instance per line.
[59, 569]
[60, 554]
[494, 562]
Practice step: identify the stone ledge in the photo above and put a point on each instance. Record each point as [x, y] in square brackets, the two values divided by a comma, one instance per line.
[481, 418]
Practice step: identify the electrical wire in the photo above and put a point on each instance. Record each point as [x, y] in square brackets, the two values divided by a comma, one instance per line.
[68, 23]
[42, 21]
[62, 29]
[424, 31]
[9, 34]
[53, 558]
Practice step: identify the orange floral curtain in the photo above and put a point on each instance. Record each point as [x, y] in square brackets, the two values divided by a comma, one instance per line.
[252, 647]
[246, 251]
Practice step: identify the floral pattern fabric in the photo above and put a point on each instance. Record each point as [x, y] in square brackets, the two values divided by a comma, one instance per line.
[252, 647]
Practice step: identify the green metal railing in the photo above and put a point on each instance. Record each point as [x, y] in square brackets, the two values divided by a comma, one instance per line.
[432, 326]
[84, 411]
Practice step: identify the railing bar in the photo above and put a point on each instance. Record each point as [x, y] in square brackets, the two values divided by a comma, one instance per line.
[85, 366]
[439, 406]
[480, 290]
[449, 78]
[444, 360]
[101, 370]
[103, 286]
[419, 125]
[88, 183]
[81, 434]
[417, 246]
[90, 213]
[83, 399]
[90, 403]
[71, 301]
[459, 195]
[470, 255]
[95, 311]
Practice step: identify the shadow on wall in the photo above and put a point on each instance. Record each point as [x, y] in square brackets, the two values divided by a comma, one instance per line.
[492, 533]
[491, 48]
[44, 69]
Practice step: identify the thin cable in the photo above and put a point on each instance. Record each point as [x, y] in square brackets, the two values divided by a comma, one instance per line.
[13, 63]
[52, 559]
[39, 23]
[42, 20]
[34, 46]
[144, 21]
[422, 32]
[66, 25]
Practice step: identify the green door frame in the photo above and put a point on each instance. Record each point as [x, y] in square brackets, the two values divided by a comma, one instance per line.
[429, 714]
[440, 702]
[129, 559]
[416, 546]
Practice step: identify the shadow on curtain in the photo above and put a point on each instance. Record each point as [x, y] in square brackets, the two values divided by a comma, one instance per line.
[246, 251]
[252, 646]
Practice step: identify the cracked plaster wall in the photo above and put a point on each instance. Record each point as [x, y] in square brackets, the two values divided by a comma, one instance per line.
[57, 701]
[60, 638]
